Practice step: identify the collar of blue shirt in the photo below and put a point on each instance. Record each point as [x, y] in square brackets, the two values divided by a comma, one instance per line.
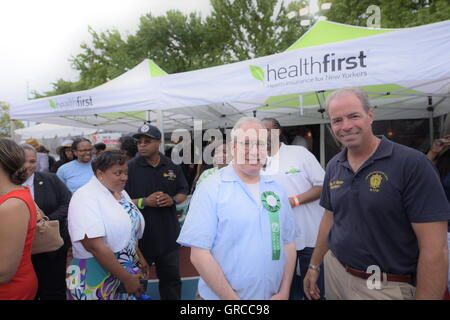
[228, 174]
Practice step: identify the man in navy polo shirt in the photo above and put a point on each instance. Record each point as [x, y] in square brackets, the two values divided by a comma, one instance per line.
[386, 214]
[156, 185]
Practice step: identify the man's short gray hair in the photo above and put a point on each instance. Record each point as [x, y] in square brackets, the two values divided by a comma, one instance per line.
[241, 122]
[358, 92]
[26, 146]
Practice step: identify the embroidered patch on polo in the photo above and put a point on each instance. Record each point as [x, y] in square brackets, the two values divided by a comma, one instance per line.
[170, 175]
[336, 184]
[376, 180]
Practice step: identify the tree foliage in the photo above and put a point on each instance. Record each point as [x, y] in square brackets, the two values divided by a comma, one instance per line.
[255, 28]
[5, 123]
[235, 30]
[394, 14]
[178, 42]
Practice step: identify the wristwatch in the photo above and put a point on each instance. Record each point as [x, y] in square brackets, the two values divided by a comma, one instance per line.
[174, 200]
[314, 267]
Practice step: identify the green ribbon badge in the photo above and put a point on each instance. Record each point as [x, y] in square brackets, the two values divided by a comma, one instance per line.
[271, 201]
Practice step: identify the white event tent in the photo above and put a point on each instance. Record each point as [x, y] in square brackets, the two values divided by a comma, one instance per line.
[49, 131]
[406, 72]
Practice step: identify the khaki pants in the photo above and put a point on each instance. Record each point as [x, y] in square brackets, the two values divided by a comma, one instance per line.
[341, 285]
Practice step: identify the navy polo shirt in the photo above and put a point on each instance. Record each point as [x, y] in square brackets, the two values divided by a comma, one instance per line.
[161, 224]
[373, 208]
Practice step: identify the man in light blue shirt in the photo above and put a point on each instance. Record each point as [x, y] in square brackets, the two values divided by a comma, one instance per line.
[78, 172]
[240, 226]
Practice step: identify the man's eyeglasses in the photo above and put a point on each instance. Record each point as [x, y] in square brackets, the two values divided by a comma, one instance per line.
[249, 145]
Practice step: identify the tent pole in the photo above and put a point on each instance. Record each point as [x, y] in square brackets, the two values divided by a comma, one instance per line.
[160, 125]
[320, 95]
[431, 128]
[322, 144]
[430, 110]
[446, 126]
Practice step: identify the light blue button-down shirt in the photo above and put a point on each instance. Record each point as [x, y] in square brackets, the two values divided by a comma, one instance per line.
[225, 218]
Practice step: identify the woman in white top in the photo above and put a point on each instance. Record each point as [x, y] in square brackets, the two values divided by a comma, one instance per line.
[104, 227]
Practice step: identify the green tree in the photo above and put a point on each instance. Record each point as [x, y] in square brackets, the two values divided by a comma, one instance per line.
[178, 42]
[408, 13]
[61, 86]
[255, 28]
[235, 31]
[175, 41]
[107, 58]
[394, 14]
[5, 123]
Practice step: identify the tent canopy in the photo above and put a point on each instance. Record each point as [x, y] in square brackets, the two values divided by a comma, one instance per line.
[326, 32]
[115, 110]
[49, 131]
[400, 68]
[405, 71]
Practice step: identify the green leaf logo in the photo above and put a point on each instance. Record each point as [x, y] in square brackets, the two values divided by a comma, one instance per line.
[257, 72]
[52, 104]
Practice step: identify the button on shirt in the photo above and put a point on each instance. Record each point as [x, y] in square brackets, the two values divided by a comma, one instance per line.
[298, 170]
[225, 218]
[373, 208]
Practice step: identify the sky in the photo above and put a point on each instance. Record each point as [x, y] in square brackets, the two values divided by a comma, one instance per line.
[38, 37]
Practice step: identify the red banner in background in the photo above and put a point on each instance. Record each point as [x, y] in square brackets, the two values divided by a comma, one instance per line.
[110, 139]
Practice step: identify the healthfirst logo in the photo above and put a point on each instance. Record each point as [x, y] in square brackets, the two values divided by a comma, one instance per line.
[309, 67]
[78, 102]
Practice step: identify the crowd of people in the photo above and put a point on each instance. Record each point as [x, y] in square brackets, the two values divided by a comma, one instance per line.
[265, 221]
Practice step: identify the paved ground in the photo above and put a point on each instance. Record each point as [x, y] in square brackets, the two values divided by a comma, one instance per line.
[189, 278]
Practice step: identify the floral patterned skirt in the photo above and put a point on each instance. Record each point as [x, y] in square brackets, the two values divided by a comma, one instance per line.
[88, 280]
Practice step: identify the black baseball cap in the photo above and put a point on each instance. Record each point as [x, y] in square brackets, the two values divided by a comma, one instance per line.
[149, 131]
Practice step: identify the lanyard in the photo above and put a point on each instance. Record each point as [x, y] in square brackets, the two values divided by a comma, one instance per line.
[271, 201]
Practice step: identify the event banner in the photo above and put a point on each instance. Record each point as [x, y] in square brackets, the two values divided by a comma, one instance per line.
[414, 56]
[110, 139]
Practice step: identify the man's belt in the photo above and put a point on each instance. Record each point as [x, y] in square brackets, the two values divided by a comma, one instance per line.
[390, 277]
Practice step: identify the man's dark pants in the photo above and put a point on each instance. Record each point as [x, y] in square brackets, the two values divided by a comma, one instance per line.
[304, 258]
[168, 273]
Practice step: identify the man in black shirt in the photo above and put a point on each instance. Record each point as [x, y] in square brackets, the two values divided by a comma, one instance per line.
[384, 231]
[156, 185]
